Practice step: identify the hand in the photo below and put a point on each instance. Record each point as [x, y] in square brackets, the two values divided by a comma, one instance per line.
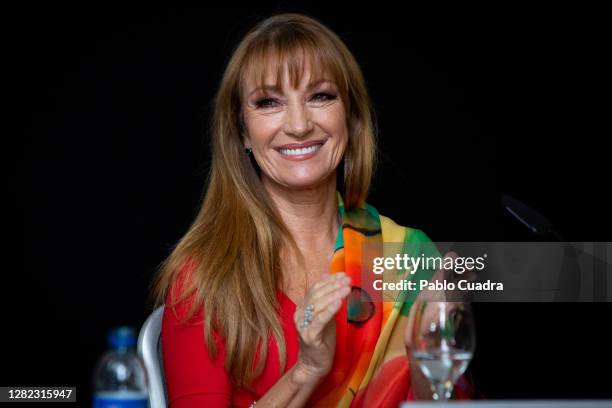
[317, 340]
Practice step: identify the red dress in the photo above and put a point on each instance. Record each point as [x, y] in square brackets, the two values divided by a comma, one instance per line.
[193, 379]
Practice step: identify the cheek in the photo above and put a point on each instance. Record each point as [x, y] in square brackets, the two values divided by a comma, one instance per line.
[334, 122]
[262, 128]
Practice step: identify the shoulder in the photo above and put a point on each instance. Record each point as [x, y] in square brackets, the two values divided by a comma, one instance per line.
[393, 232]
[180, 299]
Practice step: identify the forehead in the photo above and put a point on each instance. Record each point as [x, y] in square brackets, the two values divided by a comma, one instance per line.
[270, 78]
[279, 70]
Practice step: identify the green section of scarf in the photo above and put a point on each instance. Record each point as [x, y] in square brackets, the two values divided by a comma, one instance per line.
[366, 220]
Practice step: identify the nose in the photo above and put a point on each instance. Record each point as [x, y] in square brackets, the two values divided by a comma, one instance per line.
[297, 121]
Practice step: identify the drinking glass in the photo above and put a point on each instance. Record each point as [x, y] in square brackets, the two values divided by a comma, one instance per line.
[443, 342]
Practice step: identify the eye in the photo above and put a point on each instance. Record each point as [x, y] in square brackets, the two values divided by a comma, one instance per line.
[323, 97]
[264, 103]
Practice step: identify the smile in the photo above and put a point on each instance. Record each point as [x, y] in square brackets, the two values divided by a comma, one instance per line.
[302, 151]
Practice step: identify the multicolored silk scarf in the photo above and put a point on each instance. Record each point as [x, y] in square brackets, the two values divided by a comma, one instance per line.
[370, 365]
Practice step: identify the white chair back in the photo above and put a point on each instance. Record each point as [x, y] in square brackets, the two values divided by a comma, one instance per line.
[149, 349]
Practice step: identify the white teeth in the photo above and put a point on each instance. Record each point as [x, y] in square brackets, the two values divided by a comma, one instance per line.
[304, 150]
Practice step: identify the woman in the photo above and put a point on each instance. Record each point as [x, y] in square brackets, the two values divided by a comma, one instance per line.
[264, 299]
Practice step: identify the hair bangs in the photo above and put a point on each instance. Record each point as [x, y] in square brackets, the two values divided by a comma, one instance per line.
[269, 60]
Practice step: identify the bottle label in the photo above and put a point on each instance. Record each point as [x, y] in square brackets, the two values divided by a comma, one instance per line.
[120, 399]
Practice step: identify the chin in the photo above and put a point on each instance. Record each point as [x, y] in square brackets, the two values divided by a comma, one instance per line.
[303, 183]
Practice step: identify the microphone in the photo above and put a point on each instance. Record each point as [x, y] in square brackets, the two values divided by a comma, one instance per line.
[529, 217]
[568, 284]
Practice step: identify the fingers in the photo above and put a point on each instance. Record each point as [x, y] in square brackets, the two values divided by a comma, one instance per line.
[322, 314]
[326, 281]
[326, 298]
[327, 306]
[338, 282]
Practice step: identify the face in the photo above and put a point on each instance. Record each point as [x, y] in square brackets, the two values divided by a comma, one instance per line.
[298, 135]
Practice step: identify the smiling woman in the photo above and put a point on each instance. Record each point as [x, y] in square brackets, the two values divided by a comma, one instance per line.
[298, 135]
[262, 293]
[295, 86]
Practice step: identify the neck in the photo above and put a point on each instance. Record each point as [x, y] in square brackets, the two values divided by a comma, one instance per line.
[311, 215]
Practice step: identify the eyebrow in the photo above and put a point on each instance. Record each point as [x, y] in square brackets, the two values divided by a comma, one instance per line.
[270, 87]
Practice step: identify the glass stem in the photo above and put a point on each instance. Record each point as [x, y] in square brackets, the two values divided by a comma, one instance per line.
[439, 391]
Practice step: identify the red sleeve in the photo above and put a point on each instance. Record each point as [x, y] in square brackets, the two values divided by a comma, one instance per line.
[193, 378]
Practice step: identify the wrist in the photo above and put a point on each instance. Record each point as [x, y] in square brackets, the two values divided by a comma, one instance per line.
[302, 375]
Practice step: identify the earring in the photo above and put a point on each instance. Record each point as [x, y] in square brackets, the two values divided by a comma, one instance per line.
[248, 151]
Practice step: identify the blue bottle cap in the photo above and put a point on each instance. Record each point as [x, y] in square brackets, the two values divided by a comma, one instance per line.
[123, 336]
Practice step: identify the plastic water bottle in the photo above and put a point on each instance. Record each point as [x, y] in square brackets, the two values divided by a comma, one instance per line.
[120, 379]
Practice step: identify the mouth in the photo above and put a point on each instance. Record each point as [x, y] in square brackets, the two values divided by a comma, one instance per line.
[303, 150]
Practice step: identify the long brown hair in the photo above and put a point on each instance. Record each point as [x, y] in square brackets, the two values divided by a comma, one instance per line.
[234, 243]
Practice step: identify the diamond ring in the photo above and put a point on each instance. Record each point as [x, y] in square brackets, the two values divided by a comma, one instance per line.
[308, 315]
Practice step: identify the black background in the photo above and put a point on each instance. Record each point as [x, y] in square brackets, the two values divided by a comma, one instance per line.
[111, 107]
